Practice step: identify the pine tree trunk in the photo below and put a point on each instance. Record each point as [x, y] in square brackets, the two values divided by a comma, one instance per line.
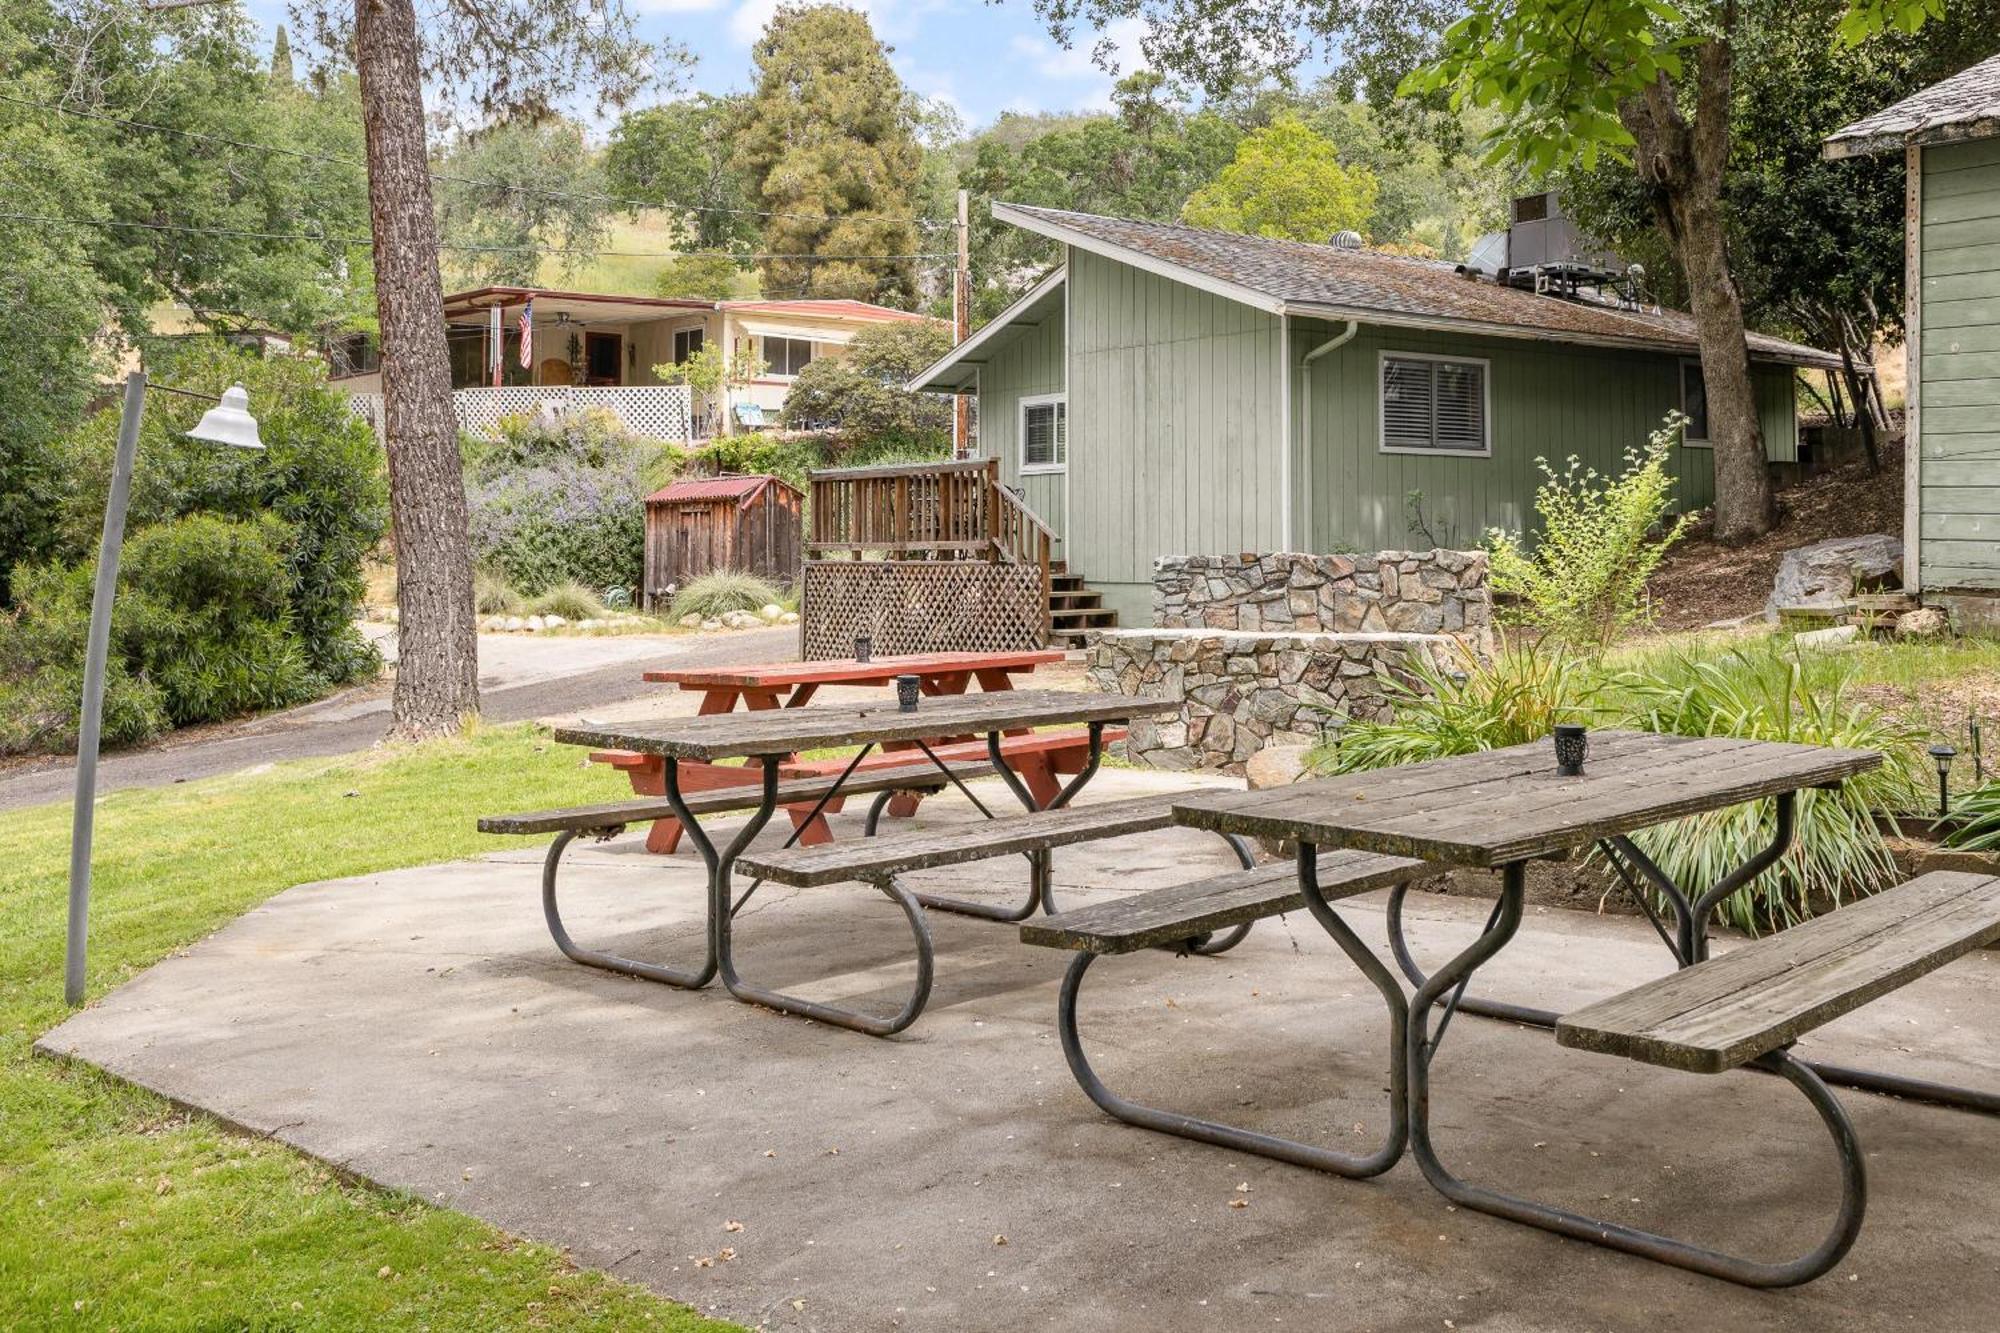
[1684, 164]
[437, 664]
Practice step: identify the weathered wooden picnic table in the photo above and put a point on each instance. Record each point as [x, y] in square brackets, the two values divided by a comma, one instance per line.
[766, 739]
[1504, 808]
[767, 686]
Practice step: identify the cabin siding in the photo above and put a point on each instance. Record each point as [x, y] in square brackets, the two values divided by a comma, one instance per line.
[1959, 387]
[1030, 365]
[1176, 427]
[1546, 400]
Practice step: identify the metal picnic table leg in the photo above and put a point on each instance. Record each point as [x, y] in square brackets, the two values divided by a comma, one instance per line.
[611, 962]
[721, 915]
[1353, 1165]
[1421, 1048]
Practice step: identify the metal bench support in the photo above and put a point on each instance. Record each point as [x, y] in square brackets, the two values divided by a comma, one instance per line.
[1247, 1140]
[1422, 1048]
[611, 962]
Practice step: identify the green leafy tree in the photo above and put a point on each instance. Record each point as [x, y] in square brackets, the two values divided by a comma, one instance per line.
[710, 373]
[703, 277]
[522, 192]
[1142, 161]
[861, 393]
[1285, 181]
[828, 147]
[679, 156]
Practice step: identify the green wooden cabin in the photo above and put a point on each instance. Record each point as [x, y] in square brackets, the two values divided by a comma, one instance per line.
[1949, 135]
[1168, 391]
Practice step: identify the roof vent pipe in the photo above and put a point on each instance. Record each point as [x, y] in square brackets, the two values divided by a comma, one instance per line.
[1346, 240]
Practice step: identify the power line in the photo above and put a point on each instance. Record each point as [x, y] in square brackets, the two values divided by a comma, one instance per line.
[338, 160]
[331, 238]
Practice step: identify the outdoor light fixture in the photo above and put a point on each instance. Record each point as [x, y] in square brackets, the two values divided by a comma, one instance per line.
[1572, 748]
[229, 423]
[1943, 754]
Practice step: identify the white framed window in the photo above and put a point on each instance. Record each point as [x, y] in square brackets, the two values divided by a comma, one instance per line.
[786, 356]
[1044, 433]
[687, 343]
[1694, 403]
[1435, 405]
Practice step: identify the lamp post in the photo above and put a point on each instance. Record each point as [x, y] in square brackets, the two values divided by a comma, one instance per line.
[230, 423]
[1942, 755]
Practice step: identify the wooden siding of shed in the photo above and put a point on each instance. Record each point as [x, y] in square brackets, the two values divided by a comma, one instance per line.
[1031, 364]
[1547, 400]
[688, 538]
[1175, 427]
[1959, 477]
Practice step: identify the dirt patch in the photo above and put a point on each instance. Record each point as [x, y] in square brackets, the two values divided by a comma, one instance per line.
[1701, 582]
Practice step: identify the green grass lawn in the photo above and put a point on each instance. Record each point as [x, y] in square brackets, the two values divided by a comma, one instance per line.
[119, 1211]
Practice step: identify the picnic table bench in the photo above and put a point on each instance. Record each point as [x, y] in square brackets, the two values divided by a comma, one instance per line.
[766, 738]
[774, 685]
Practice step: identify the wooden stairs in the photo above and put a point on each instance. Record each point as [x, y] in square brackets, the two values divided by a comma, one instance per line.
[1074, 607]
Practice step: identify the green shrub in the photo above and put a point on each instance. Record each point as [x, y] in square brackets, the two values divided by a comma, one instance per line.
[715, 594]
[1467, 706]
[492, 595]
[861, 393]
[321, 472]
[571, 601]
[201, 631]
[1766, 691]
[1760, 690]
[1979, 813]
[561, 504]
[1583, 581]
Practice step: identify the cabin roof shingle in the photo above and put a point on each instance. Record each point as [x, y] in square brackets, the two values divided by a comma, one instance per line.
[1966, 105]
[1301, 278]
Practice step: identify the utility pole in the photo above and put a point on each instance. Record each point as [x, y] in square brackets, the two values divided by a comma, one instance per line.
[961, 318]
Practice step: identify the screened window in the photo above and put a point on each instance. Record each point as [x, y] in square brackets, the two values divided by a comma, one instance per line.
[1433, 405]
[787, 356]
[1044, 433]
[687, 343]
[1694, 402]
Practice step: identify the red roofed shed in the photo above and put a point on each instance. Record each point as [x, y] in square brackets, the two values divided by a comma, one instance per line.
[748, 525]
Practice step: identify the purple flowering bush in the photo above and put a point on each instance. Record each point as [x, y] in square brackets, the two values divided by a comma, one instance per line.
[560, 503]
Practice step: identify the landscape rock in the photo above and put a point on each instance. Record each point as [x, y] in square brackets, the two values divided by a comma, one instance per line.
[554, 622]
[1826, 574]
[1926, 622]
[711, 624]
[690, 621]
[1276, 766]
[771, 611]
[789, 618]
[536, 624]
[1821, 640]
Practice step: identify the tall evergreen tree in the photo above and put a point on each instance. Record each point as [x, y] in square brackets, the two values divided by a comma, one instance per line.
[281, 58]
[828, 145]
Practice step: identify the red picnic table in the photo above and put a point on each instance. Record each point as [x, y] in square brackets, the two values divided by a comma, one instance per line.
[1039, 759]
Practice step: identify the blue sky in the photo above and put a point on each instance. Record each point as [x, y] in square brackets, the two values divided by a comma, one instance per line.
[981, 58]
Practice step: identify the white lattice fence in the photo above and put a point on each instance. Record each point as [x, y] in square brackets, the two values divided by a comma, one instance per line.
[656, 412]
[367, 406]
[921, 606]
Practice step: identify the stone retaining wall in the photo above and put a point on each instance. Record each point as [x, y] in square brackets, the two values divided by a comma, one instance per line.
[1400, 592]
[1243, 690]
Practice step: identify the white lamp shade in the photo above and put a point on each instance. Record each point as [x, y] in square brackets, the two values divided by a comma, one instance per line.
[229, 422]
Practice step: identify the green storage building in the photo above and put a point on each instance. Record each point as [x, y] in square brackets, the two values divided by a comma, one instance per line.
[1949, 135]
[1168, 390]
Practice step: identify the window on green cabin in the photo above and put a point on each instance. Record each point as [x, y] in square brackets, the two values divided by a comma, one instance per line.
[1433, 404]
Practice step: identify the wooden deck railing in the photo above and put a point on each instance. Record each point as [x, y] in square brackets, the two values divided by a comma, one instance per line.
[926, 511]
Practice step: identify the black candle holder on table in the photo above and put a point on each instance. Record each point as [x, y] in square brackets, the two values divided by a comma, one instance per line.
[1572, 748]
[908, 689]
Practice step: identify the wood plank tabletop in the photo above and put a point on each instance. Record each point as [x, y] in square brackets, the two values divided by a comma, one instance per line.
[783, 731]
[847, 671]
[1500, 806]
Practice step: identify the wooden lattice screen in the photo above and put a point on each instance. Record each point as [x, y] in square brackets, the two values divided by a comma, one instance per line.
[921, 606]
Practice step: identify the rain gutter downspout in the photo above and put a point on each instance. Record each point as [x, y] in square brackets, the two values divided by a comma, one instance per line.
[1338, 340]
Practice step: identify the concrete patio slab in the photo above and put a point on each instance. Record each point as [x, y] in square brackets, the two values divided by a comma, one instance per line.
[420, 1028]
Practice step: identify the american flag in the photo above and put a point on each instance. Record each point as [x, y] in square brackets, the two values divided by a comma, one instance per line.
[528, 336]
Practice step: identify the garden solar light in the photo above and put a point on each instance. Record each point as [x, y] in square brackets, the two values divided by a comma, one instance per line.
[1943, 754]
[229, 422]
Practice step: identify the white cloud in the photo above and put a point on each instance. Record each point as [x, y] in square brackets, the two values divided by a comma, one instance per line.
[1077, 63]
